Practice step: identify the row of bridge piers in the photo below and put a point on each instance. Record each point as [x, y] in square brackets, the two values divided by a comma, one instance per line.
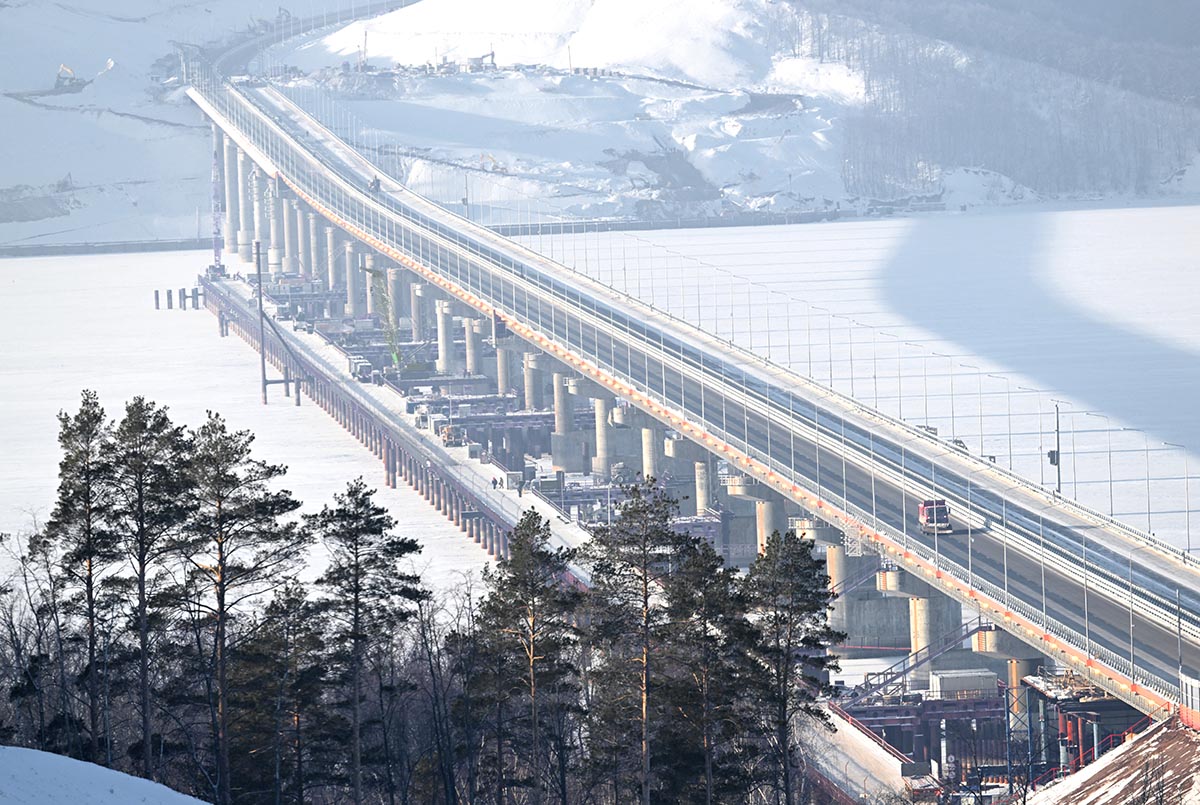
[560, 434]
[592, 434]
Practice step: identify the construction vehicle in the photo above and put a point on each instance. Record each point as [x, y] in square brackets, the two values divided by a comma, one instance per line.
[453, 435]
[934, 516]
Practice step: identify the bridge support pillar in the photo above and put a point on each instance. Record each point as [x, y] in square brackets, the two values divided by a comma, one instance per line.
[419, 312]
[245, 236]
[564, 409]
[320, 271]
[473, 331]
[702, 489]
[768, 518]
[354, 289]
[397, 279]
[232, 199]
[275, 231]
[533, 382]
[446, 363]
[503, 370]
[304, 256]
[651, 451]
[602, 460]
[371, 279]
[289, 235]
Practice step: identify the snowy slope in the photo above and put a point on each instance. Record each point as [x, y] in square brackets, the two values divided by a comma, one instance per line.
[136, 154]
[703, 112]
[28, 777]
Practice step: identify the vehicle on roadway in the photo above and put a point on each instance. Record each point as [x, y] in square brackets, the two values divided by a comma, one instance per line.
[934, 516]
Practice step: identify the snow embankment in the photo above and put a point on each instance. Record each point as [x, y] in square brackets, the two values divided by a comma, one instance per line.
[719, 44]
[29, 777]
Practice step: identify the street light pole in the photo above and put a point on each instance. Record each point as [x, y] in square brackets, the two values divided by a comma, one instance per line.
[1008, 413]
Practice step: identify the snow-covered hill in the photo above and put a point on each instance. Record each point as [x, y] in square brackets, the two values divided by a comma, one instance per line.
[28, 777]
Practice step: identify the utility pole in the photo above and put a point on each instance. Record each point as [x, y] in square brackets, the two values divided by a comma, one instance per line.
[1056, 459]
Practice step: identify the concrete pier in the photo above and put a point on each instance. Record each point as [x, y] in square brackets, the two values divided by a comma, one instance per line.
[602, 460]
[245, 238]
[768, 518]
[319, 270]
[275, 238]
[503, 370]
[564, 406]
[231, 196]
[354, 291]
[304, 256]
[533, 382]
[446, 362]
[651, 447]
[472, 331]
[702, 490]
[420, 323]
[289, 235]
[397, 295]
[369, 278]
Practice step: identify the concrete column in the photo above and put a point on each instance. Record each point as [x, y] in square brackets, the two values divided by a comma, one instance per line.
[245, 236]
[920, 635]
[472, 329]
[416, 292]
[397, 292]
[503, 370]
[651, 446]
[231, 196]
[303, 254]
[336, 279]
[602, 462]
[768, 518]
[259, 204]
[289, 236]
[446, 363]
[373, 305]
[533, 383]
[275, 241]
[354, 305]
[319, 270]
[702, 500]
[564, 410]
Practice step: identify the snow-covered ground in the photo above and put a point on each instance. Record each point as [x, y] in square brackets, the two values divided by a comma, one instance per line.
[674, 113]
[69, 323]
[126, 157]
[29, 777]
[991, 317]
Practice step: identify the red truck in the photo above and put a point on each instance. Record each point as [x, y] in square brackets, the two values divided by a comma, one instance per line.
[934, 516]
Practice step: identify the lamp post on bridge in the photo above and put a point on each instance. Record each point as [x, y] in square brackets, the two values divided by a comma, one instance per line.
[978, 400]
[1132, 665]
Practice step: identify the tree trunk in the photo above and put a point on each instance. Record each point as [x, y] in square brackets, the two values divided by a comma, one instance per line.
[144, 670]
[224, 788]
[93, 679]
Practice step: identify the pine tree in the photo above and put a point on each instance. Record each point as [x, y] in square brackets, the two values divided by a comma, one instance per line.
[368, 593]
[241, 545]
[79, 525]
[146, 463]
[788, 593]
[629, 562]
[531, 606]
[711, 665]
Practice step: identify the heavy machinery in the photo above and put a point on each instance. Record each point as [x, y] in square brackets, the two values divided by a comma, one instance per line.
[934, 516]
[453, 435]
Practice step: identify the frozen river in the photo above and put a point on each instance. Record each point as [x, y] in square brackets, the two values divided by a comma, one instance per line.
[69, 323]
[975, 324]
